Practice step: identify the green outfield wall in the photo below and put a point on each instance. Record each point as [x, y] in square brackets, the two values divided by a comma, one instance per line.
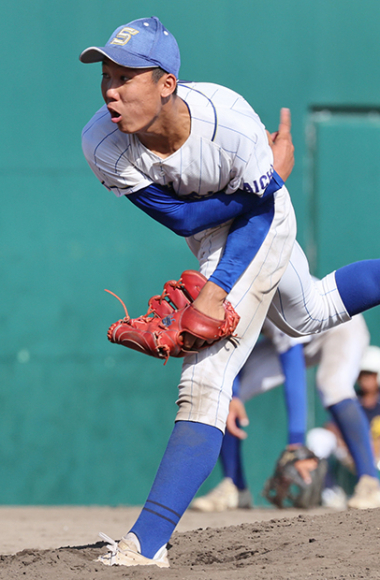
[84, 421]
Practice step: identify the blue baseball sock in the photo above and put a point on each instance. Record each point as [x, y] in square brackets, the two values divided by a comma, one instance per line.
[294, 369]
[190, 456]
[230, 457]
[359, 285]
[354, 426]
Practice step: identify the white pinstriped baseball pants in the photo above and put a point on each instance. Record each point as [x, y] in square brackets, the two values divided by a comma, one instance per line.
[299, 306]
[337, 353]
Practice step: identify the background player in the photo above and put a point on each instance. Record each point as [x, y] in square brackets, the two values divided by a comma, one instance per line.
[329, 441]
[162, 150]
[278, 359]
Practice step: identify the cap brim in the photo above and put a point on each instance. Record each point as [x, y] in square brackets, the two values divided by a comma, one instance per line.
[117, 55]
[92, 54]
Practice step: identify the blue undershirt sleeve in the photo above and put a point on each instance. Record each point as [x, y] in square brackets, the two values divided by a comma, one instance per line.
[246, 235]
[186, 217]
[252, 216]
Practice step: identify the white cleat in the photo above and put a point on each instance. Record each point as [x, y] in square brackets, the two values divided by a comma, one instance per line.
[225, 496]
[127, 553]
[366, 495]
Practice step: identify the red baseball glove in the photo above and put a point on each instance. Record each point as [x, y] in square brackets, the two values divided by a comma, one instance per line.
[158, 333]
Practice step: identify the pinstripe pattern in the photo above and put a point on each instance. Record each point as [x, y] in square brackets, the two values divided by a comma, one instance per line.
[216, 156]
[206, 382]
[337, 352]
[302, 305]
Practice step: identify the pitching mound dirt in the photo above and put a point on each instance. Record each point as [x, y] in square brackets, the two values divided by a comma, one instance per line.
[338, 545]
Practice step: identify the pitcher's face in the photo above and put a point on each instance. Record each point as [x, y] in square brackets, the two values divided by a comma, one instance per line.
[132, 96]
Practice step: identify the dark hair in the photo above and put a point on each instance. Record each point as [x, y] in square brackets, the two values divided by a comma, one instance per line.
[157, 73]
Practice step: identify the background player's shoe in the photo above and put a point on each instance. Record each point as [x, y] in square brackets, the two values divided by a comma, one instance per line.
[334, 497]
[225, 496]
[367, 494]
[127, 553]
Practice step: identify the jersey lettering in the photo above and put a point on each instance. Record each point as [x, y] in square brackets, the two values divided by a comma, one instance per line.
[264, 180]
[124, 36]
[248, 188]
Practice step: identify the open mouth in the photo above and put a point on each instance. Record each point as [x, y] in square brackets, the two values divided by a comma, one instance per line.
[114, 115]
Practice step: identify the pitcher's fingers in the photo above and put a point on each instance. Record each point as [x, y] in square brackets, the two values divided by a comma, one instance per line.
[285, 120]
[188, 340]
[272, 137]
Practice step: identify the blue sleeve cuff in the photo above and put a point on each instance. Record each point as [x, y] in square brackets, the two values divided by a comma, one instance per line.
[275, 184]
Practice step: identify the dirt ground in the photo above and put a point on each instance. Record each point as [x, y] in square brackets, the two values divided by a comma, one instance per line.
[62, 544]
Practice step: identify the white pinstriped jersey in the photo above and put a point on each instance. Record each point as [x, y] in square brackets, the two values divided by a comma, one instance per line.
[227, 149]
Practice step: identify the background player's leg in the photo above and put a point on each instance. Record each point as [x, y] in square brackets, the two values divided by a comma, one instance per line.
[231, 459]
[342, 349]
[231, 455]
[232, 492]
[294, 369]
[353, 424]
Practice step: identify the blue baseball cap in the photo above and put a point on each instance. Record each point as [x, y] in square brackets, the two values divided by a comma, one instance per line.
[142, 43]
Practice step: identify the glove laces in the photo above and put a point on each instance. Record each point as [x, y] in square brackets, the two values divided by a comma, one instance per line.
[122, 303]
